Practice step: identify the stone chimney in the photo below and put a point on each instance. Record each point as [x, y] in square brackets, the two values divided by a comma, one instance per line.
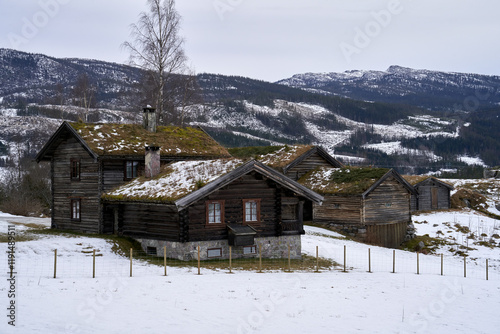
[152, 167]
[149, 119]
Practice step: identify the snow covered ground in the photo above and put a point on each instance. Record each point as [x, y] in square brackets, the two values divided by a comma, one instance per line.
[245, 302]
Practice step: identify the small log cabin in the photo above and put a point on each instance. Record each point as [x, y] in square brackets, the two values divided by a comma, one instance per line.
[212, 204]
[296, 161]
[370, 204]
[88, 160]
[431, 193]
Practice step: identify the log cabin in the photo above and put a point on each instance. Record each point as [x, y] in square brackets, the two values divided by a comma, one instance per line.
[297, 160]
[212, 205]
[370, 204]
[431, 193]
[88, 160]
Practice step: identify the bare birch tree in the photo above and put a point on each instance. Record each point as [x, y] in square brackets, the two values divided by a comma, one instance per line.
[157, 47]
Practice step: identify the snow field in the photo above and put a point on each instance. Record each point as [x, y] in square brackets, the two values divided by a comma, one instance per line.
[245, 302]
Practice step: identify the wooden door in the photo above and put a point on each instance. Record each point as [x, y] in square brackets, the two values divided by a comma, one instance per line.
[434, 197]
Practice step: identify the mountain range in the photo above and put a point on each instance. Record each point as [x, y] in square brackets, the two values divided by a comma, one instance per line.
[415, 120]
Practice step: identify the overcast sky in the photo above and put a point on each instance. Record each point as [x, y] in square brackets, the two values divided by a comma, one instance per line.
[273, 39]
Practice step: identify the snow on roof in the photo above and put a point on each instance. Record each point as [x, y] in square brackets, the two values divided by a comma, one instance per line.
[130, 139]
[176, 181]
[284, 156]
[345, 181]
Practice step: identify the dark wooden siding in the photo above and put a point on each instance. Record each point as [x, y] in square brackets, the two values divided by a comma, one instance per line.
[312, 162]
[386, 235]
[338, 209]
[388, 203]
[425, 196]
[65, 189]
[414, 203]
[250, 186]
[150, 221]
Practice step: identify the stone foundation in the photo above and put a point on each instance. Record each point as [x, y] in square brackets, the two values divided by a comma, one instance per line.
[271, 247]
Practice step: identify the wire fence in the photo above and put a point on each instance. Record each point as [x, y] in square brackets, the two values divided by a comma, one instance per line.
[92, 263]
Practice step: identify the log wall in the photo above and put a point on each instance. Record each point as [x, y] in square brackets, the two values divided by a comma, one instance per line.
[312, 162]
[250, 186]
[426, 194]
[388, 203]
[65, 189]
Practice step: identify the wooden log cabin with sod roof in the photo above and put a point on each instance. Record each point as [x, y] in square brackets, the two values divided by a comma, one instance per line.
[431, 193]
[294, 161]
[88, 160]
[212, 204]
[370, 204]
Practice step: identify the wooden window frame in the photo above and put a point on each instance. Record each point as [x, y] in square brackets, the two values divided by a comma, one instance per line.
[253, 200]
[207, 212]
[253, 250]
[125, 169]
[75, 169]
[76, 215]
[212, 249]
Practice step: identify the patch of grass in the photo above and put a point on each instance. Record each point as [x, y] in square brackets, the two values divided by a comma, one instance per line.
[306, 263]
[431, 245]
[252, 151]
[20, 237]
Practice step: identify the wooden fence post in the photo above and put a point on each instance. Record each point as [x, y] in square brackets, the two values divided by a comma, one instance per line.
[260, 258]
[131, 250]
[345, 258]
[369, 260]
[199, 264]
[55, 262]
[465, 266]
[418, 265]
[317, 259]
[442, 262]
[165, 259]
[93, 264]
[486, 269]
[394, 261]
[289, 262]
[230, 258]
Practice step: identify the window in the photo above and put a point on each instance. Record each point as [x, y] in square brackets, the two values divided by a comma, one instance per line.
[131, 168]
[75, 169]
[151, 251]
[215, 212]
[76, 206]
[249, 250]
[214, 252]
[336, 205]
[388, 205]
[251, 210]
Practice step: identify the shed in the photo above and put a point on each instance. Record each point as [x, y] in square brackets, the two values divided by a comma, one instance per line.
[370, 204]
[431, 193]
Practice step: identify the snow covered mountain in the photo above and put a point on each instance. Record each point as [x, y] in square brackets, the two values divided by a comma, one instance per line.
[36, 96]
[423, 88]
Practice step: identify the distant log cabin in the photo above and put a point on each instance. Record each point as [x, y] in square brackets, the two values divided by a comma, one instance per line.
[212, 204]
[88, 160]
[370, 204]
[297, 160]
[431, 193]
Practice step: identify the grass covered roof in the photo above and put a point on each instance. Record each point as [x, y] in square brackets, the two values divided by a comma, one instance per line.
[342, 181]
[284, 156]
[174, 182]
[130, 139]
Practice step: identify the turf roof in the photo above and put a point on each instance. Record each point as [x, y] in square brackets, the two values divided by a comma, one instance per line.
[130, 139]
[284, 156]
[342, 181]
[174, 182]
